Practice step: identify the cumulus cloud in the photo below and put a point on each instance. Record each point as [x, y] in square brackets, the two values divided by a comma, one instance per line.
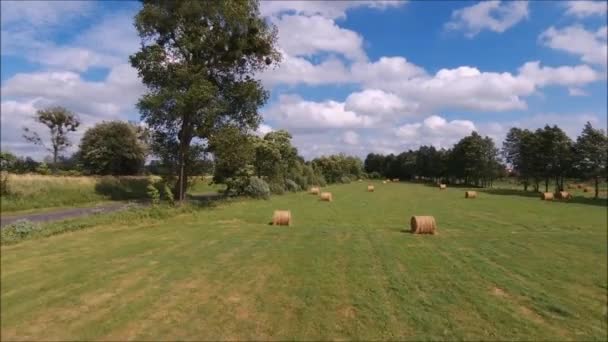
[563, 75]
[583, 9]
[590, 46]
[297, 70]
[377, 102]
[293, 112]
[488, 15]
[434, 130]
[327, 9]
[350, 138]
[307, 36]
[577, 92]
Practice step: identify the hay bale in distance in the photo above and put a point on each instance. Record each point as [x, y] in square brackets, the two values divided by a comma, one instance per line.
[326, 196]
[370, 188]
[423, 225]
[587, 190]
[442, 186]
[470, 194]
[547, 196]
[579, 186]
[315, 190]
[383, 182]
[563, 195]
[395, 179]
[281, 218]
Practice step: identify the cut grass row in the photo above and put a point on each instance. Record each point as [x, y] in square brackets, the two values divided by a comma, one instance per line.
[502, 267]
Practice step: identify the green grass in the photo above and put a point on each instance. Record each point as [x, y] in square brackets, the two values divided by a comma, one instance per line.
[503, 267]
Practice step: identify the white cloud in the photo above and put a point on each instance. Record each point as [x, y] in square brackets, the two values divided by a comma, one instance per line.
[577, 92]
[263, 129]
[308, 36]
[563, 75]
[350, 138]
[42, 13]
[491, 15]
[298, 70]
[386, 72]
[292, 112]
[590, 46]
[327, 9]
[583, 9]
[377, 102]
[434, 130]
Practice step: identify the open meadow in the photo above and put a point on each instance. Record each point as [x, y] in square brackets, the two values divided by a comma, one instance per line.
[503, 266]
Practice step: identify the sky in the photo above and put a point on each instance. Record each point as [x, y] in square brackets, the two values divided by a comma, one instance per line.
[356, 76]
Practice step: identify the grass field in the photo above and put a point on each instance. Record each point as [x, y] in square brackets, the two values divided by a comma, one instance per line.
[503, 267]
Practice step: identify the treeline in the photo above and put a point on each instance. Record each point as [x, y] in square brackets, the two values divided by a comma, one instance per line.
[548, 155]
[257, 166]
[474, 160]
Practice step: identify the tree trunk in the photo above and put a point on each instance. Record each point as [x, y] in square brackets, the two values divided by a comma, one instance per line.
[547, 184]
[55, 154]
[597, 187]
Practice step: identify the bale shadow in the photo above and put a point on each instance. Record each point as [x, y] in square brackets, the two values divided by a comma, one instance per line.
[602, 202]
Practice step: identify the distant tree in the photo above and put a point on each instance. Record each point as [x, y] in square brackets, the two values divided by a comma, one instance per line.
[60, 122]
[7, 161]
[198, 60]
[112, 148]
[555, 154]
[591, 154]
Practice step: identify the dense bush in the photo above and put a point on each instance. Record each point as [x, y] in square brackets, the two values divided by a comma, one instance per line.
[168, 194]
[257, 188]
[277, 187]
[292, 186]
[18, 230]
[153, 193]
[345, 180]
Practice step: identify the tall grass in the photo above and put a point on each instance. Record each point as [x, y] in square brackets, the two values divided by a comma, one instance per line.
[31, 191]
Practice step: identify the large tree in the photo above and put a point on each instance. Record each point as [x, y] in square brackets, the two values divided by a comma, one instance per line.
[112, 148]
[591, 154]
[60, 123]
[198, 60]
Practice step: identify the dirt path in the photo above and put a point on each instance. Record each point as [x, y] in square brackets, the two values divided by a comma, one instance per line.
[62, 214]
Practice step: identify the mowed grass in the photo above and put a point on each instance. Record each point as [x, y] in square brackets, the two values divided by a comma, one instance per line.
[503, 267]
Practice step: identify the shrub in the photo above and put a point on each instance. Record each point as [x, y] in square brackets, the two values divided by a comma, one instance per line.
[257, 188]
[321, 181]
[375, 175]
[43, 169]
[18, 230]
[277, 187]
[153, 193]
[168, 194]
[344, 180]
[292, 186]
[301, 181]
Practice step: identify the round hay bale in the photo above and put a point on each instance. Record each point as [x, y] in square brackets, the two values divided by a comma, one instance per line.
[360, 180]
[315, 190]
[547, 196]
[383, 182]
[370, 188]
[579, 186]
[423, 225]
[470, 194]
[395, 179]
[326, 196]
[281, 218]
[563, 195]
[442, 186]
[587, 190]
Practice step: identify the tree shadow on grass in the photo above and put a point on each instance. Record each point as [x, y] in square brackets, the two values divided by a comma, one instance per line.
[602, 202]
[208, 200]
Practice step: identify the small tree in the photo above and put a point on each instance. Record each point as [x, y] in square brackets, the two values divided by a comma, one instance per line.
[60, 122]
[591, 152]
[112, 148]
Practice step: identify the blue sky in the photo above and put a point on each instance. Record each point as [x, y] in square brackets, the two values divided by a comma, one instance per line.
[356, 76]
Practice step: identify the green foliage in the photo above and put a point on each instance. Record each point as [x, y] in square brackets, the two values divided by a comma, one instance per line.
[112, 148]
[153, 193]
[333, 168]
[43, 169]
[292, 186]
[18, 230]
[5, 188]
[277, 187]
[345, 180]
[257, 188]
[168, 194]
[60, 123]
[591, 155]
[198, 60]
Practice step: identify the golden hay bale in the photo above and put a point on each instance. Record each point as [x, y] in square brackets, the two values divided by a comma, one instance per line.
[579, 186]
[360, 180]
[423, 225]
[587, 190]
[442, 186]
[563, 195]
[383, 182]
[315, 190]
[326, 196]
[370, 188]
[470, 194]
[281, 218]
[395, 179]
[388, 180]
[547, 196]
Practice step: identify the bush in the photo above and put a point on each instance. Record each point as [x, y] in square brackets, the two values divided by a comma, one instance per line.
[277, 187]
[168, 194]
[153, 193]
[43, 169]
[18, 230]
[257, 188]
[344, 180]
[301, 181]
[292, 186]
[375, 175]
[321, 181]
